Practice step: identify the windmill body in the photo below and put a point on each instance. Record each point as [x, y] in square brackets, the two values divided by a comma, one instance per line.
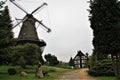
[28, 33]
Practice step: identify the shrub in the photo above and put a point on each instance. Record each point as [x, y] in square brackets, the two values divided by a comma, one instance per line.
[21, 62]
[102, 68]
[27, 54]
[12, 71]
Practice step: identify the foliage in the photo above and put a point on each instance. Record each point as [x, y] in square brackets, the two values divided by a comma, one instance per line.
[12, 71]
[71, 62]
[22, 62]
[102, 68]
[30, 54]
[6, 36]
[5, 56]
[104, 22]
[105, 78]
[92, 60]
[95, 57]
[51, 59]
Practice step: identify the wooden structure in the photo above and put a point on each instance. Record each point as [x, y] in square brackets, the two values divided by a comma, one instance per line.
[80, 60]
[28, 34]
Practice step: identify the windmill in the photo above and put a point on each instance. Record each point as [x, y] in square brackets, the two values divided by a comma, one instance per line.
[28, 33]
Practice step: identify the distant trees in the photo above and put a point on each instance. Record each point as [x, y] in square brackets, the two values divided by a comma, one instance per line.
[6, 35]
[105, 19]
[71, 62]
[51, 59]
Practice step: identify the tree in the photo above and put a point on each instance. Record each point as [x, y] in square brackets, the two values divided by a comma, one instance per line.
[105, 18]
[51, 59]
[27, 54]
[71, 62]
[6, 35]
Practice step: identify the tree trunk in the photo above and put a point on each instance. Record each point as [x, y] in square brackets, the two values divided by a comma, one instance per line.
[116, 64]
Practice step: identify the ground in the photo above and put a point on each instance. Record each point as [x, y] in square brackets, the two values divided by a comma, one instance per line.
[80, 74]
[84, 75]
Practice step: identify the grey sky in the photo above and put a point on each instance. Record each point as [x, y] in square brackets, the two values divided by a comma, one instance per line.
[68, 20]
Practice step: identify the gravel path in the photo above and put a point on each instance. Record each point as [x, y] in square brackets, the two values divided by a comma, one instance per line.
[84, 75]
[76, 75]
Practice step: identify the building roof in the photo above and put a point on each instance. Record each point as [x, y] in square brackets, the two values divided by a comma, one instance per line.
[80, 53]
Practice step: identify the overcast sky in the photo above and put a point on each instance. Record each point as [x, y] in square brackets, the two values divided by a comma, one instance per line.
[68, 20]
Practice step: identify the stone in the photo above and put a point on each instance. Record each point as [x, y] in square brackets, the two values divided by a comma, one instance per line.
[23, 73]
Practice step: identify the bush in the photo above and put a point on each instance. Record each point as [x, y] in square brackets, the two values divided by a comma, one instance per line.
[21, 62]
[27, 54]
[102, 68]
[12, 71]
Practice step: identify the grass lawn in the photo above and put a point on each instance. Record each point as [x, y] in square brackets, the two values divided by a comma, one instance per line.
[105, 78]
[52, 71]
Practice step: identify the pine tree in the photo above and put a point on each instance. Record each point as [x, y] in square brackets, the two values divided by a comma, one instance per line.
[6, 35]
[105, 19]
[71, 62]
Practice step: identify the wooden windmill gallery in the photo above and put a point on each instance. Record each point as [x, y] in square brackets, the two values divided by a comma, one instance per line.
[28, 33]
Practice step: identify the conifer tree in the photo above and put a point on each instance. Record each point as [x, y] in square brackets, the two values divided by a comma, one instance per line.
[71, 62]
[6, 35]
[105, 19]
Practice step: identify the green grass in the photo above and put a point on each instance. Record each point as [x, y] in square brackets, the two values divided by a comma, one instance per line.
[105, 78]
[52, 71]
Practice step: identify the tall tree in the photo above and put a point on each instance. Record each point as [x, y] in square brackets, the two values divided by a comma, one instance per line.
[105, 18]
[6, 35]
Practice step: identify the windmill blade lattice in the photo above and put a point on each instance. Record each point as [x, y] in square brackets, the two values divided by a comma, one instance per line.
[45, 27]
[16, 4]
[39, 8]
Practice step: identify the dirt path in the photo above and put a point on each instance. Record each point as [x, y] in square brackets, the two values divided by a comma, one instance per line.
[84, 75]
[76, 75]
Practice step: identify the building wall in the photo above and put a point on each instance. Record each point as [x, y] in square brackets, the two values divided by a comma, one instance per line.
[80, 63]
